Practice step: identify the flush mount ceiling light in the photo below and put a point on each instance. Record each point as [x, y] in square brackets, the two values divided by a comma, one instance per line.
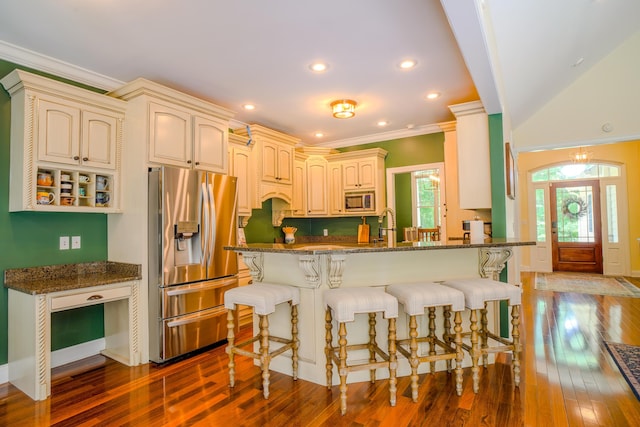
[343, 108]
[433, 95]
[249, 107]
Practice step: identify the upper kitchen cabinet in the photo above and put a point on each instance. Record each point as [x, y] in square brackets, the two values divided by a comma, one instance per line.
[241, 165]
[181, 130]
[274, 157]
[359, 174]
[65, 146]
[311, 182]
[361, 170]
[474, 168]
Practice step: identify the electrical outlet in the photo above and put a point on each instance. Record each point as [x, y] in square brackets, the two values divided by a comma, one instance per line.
[64, 243]
[75, 242]
[325, 232]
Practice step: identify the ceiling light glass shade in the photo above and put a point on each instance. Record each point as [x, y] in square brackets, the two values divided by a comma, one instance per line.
[581, 156]
[344, 108]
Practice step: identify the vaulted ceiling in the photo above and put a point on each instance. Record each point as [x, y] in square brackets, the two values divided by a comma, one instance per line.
[513, 55]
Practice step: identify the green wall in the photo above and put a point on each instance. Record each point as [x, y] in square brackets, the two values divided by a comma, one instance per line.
[409, 151]
[31, 239]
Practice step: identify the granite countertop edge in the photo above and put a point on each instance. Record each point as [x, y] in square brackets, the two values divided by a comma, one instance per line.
[354, 248]
[64, 277]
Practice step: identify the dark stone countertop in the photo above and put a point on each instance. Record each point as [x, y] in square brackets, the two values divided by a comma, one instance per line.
[64, 277]
[340, 247]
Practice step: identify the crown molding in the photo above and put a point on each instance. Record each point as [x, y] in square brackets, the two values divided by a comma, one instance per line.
[384, 136]
[37, 61]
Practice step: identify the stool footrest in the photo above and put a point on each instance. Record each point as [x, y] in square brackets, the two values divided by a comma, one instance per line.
[446, 351]
[237, 350]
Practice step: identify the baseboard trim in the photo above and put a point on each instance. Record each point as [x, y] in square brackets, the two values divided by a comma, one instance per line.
[65, 355]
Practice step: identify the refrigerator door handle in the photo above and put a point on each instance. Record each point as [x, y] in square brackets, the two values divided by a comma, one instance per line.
[212, 224]
[204, 241]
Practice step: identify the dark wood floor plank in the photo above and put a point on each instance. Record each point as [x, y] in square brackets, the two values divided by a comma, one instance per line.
[568, 379]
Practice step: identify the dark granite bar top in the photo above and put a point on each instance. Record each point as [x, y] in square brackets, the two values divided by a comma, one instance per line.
[340, 247]
[64, 277]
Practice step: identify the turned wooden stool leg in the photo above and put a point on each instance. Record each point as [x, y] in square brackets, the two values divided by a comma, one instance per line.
[432, 338]
[447, 337]
[392, 362]
[474, 350]
[515, 321]
[328, 349]
[457, 320]
[483, 335]
[372, 344]
[342, 341]
[295, 341]
[231, 340]
[413, 360]
[265, 359]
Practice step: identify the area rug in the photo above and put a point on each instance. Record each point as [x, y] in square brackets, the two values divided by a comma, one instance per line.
[627, 357]
[586, 283]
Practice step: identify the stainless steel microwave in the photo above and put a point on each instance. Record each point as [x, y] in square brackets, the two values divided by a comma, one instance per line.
[362, 201]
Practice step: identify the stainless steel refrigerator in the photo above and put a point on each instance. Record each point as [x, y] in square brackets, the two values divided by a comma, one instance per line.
[192, 216]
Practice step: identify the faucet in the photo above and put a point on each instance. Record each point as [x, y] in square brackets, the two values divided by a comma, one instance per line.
[392, 216]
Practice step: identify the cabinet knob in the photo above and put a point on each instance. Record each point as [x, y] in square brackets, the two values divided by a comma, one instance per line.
[76, 157]
[84, 159]
[197, 163]
[188, 162]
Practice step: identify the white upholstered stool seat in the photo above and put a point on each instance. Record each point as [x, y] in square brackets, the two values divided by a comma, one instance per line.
[263, 297]
[416, 298]
[342, 305]
[477, 293]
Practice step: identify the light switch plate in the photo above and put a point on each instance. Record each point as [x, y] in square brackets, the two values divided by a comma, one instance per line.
[75, 242]
[64, 243]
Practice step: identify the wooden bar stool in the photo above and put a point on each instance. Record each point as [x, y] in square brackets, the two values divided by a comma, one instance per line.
[477, 293]
[263, 297]
[416, 298]
[342, 305]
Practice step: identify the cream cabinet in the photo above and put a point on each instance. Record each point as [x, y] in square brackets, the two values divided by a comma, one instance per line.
[473, 153]
[274, 156]
[241, 165]
[317, 186]
[65, 146]
[299, 187]
[336, 193]
[277, 162]
[359, 174]
[70, 134]
[180, 137]
[354, 171]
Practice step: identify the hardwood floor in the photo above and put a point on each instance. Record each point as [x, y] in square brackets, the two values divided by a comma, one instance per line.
[569, 379]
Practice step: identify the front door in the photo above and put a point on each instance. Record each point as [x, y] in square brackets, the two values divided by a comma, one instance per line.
[576, 238]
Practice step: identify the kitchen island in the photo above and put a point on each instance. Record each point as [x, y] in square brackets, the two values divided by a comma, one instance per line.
[316, 267]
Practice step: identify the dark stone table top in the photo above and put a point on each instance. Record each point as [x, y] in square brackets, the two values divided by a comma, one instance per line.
[354, 248]
[63, 277]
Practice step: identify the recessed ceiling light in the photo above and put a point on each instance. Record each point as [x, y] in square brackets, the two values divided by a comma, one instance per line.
[249, 107]
[433, 95]
[319, 134]
[318, 67]
[407, 64]
[383, 123]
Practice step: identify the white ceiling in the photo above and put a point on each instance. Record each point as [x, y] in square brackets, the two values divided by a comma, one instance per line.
[234, 52]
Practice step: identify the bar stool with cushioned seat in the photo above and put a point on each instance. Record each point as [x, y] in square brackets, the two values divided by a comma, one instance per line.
[263, 297]
[416, 298]
[342, 305]
[477, 293]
